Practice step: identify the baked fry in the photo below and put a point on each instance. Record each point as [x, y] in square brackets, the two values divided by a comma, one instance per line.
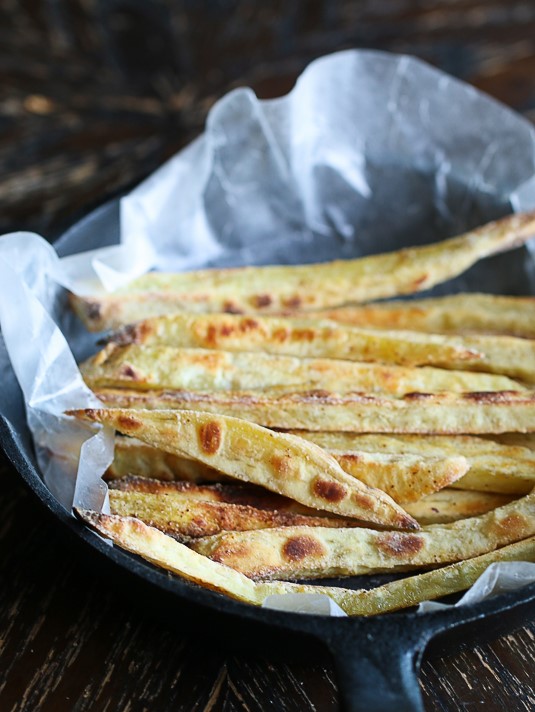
[301, 552]
[163, 367]
[405, 478]
[246, 494]
[507, 355]
[449, 505]
[175, 514]
[422, 587]
[180, 514]
[272, 289]
[494, 466]
[282, 463]
[161, 550]
[452, 314]
[293, 337]
[423, 413]
[134, 457]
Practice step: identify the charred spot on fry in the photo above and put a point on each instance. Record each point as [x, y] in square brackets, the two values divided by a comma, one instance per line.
[239, 550]
[329, 491]
[361, 498]
[211, 336]
[127, 371]
[398, 544]
[317, 394]
[281, 335]
[210, 436]
[128, 422]
[419, 281]
[282, 464]
[231, 308]
[249, 324]
[226, 330]
[513, 524]
[261, 301]
[292, 302]
[300, 547]
[303, 335]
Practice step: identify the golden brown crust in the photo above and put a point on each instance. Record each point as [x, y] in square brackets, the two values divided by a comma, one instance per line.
[133, 457]
[293, 337]
[178, 515]
[437, 413]
[344, 552]
[453, 314]
[494, 466]
[147, 367]
[244, 494]
[272, 289]
[246, 451]
[406, 478]
[161, 550]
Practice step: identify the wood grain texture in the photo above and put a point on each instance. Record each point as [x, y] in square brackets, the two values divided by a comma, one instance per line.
[95, 94]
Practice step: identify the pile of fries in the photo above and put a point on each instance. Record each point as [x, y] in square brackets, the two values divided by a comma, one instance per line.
[273, 428]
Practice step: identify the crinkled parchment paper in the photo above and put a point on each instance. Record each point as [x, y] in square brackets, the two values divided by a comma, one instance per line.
[369, 152]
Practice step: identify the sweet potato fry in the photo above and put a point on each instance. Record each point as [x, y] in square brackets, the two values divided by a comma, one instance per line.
[494, 466]
[406, 478]
[184, 516]
[271, 289]
[175, 514]
[424, 413]
[449, 505]
[300, 338]
[133, 457]
[245, 494]
[283, 463]
[422, 587]
[301, 552]
[506, 355]
[453, 314]
[164, 551]
[164, 367]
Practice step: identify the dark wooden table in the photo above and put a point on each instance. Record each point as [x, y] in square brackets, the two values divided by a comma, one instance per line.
[93, 96]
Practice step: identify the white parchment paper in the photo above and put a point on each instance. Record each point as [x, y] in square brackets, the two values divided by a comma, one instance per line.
[369, 152]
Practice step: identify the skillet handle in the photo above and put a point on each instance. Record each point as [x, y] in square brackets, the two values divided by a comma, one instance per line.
[377, 667]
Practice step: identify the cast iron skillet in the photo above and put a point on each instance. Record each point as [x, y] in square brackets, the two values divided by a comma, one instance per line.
[377, 659]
